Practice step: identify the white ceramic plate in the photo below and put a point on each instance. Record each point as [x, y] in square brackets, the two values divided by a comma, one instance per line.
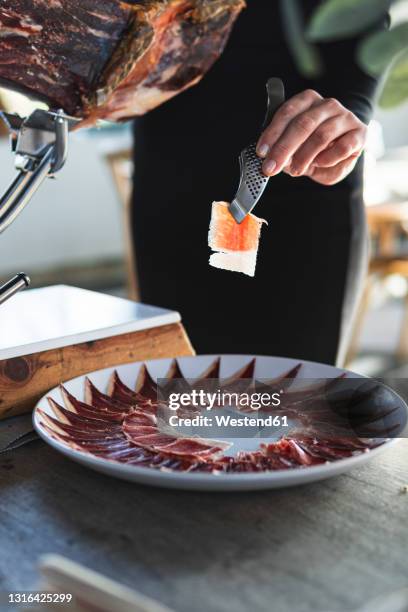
[192, 367]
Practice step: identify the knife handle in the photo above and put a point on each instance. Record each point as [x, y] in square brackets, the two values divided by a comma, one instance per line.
[276, 97]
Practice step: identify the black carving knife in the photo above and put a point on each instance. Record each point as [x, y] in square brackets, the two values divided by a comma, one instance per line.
[253, 181]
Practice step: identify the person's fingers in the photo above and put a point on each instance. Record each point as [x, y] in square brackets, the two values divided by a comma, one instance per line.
[333, 129]
[299, 130]
[349, 145]
[290, 109]
[333, 175]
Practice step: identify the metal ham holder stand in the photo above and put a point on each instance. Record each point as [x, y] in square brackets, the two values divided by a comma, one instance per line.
[50, 348]
[40, 144]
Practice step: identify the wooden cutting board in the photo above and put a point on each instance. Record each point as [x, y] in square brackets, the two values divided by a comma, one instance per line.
[53, 334]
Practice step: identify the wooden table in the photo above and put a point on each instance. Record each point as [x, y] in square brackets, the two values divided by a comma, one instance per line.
[321, 547]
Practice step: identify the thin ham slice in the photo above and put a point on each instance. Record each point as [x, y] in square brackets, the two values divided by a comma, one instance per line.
[235, 245]
[171, 443]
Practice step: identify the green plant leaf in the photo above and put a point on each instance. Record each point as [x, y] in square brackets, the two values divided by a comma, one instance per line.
[395, 91]
[337, 19]
[306, 55]
[377, 51]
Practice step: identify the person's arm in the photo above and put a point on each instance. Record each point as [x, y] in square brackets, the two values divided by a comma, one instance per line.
[321, 132]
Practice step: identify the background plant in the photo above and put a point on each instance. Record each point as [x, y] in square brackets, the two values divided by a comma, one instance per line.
[382, 54]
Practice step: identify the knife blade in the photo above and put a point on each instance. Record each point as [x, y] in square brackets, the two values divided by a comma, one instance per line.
[253, 182]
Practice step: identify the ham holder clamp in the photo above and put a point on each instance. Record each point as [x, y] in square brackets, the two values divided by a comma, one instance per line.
[40, 144]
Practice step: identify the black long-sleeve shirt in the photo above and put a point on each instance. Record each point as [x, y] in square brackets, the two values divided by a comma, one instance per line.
[312, 256]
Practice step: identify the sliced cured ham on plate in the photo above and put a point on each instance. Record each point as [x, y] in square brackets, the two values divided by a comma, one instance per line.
[112, 421]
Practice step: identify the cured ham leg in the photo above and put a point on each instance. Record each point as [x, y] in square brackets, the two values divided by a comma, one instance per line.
[235, 245]
[110, 59]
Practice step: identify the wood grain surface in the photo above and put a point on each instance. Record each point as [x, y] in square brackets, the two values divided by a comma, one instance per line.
[328, 546]
[23, 380]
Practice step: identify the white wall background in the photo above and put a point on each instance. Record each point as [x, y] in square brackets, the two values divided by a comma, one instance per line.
[395, 126]
[74, 218]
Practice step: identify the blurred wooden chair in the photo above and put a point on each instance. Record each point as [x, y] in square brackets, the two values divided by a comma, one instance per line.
[121, 167]
[388, 225]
